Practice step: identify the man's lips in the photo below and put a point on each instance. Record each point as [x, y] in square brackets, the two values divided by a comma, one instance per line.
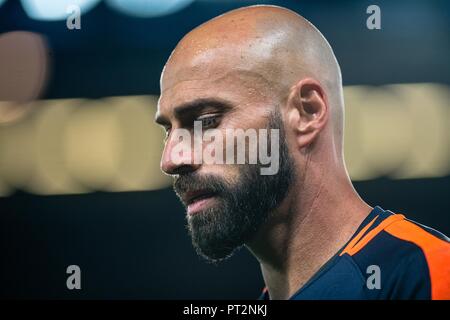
[196, 200]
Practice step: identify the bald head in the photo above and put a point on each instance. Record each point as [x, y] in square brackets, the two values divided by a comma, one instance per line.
[268, 49]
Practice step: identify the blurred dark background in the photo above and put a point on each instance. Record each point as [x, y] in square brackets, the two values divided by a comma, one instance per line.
[133, 244]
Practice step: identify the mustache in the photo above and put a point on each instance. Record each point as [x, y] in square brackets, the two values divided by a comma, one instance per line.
[194, 181]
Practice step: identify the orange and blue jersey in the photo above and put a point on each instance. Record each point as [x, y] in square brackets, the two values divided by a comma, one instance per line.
[388, 257]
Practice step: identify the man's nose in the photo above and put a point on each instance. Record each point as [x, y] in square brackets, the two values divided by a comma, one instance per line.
[178, 157]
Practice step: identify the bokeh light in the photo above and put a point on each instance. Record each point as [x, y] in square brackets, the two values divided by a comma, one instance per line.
[148, 8]
[24, 65]
[54, 10]
[67, 146]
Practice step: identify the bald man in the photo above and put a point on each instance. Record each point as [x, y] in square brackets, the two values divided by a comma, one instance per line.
[266, 67]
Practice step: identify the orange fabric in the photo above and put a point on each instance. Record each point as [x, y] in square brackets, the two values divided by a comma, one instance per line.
[358, 236]
[436, 251]
[372, 233]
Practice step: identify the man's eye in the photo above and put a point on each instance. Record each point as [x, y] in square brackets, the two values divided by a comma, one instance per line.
[209, 121]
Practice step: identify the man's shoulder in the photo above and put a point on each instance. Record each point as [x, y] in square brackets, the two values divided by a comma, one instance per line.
[413, 260]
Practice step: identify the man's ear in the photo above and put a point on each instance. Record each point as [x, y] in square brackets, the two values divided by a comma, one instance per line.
[308, 110]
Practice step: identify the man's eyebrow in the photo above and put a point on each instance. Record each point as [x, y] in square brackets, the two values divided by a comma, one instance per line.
[199, 104]
[195, 106]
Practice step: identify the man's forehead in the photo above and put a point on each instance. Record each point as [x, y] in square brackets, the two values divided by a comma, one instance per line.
[190, 63]
[214, 76]
[201, 59]
[230, 71]
[232, 85]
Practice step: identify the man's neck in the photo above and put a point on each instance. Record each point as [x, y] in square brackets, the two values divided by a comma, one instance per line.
[301, 237]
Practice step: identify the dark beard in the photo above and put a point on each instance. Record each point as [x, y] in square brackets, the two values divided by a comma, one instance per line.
[241, 207]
